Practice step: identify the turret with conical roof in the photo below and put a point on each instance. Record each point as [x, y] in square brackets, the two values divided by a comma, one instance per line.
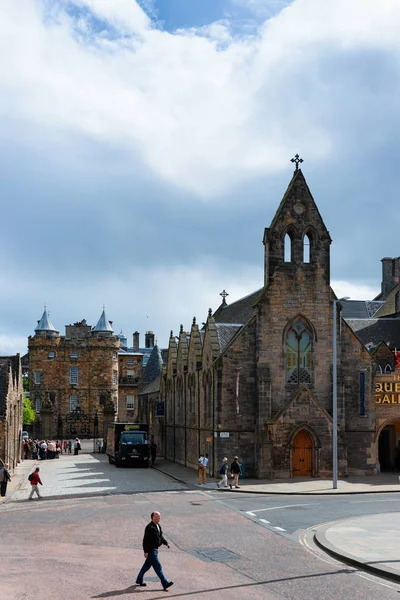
[103, 324]
[45, 326]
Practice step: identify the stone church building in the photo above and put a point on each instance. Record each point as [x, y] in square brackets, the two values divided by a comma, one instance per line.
[256, 380]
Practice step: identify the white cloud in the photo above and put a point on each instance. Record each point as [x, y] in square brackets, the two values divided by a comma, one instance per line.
[200, 117]
[159, 299]
[354, 291]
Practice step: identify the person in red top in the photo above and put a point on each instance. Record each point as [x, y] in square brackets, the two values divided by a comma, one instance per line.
[35, 483]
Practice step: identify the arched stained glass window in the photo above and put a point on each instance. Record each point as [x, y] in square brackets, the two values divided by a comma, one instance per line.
[298, 354]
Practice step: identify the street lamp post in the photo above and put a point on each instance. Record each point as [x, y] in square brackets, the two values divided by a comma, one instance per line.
[334, 397]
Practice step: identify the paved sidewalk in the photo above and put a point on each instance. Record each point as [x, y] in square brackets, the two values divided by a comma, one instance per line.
[384, 483]
[19, 478]
[371, 543]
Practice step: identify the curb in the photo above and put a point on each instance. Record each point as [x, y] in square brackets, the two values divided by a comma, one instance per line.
[321, 493]
[273, 493]
[350, 559]
[169, 475]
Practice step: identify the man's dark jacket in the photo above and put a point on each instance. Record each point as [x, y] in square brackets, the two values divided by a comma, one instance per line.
[152, 538]
[235, 467]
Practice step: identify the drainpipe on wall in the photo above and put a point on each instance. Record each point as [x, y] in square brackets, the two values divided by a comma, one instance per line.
[184, 404]
[173, 412]
[198, 413]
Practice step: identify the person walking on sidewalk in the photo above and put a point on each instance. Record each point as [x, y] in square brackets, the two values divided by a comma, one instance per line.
[152, 540]
[35, 484]
[203, 462]
[200, 468]
[224, 474]
[4, 479]
[153, 451]
[235, 472]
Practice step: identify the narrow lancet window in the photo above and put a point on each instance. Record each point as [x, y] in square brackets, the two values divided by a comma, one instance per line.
[288, 248]
[306, 249]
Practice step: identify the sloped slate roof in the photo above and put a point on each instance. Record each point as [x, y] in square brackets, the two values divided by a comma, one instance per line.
[152, 387]
[225, 333]
[373, 331]
[238, 312]
[359, 309]
[154, 366]
[389, 306]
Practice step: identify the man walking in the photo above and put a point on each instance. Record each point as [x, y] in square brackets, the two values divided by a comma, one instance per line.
[200, 468]
[35, 484]
[152, 540]
[204, 469]
[235, 472]
[224, 474]
[4, 479]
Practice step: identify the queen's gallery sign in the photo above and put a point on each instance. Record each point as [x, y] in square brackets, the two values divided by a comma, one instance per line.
[387, 388]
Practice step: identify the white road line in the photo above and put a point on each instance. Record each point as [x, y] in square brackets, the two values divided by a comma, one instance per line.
[278, 507]
[250, 513]
[279, 529]
[263, 520]
[374, 501]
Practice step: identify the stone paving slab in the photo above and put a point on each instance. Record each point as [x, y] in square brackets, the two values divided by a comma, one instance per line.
[371, 542]
[88, 475]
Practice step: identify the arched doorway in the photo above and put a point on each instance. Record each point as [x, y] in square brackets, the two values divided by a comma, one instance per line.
[302, 455]
[389, 447]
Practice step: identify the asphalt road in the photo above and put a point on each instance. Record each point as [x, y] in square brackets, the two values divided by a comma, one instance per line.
[78, 548]
[291, 515]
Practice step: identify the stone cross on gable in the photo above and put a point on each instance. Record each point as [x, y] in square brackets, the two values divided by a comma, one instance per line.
[296, 160]
[224, 294]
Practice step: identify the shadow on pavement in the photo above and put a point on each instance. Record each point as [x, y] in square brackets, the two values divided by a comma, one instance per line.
[132, 588]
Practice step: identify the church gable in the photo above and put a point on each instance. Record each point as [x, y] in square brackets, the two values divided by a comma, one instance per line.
[211, 347]
[195, 348]
[297, 236]
[303, 408]
[172, 356]
[182, 353]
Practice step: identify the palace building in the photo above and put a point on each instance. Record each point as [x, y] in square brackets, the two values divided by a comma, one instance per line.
[257, 380]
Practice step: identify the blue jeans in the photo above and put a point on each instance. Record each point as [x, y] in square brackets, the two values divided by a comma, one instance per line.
[152, 561]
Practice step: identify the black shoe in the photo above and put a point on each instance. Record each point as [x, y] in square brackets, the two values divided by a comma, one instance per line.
[167, 585]
[230, 485]
[141, 583]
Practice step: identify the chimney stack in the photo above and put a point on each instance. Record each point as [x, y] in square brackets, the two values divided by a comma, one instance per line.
[149, 339]
[136, 341]
[390, 274]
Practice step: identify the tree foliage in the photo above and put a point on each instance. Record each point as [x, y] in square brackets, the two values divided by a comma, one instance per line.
[28, 414]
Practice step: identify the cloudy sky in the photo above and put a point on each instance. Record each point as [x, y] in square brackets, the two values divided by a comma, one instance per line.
[145, 145]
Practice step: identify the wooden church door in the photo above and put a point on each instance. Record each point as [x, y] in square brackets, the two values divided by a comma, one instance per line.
[302, 455]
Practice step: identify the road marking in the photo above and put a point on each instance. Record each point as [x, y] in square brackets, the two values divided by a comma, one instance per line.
[250, 513]
[374, 501]
[263, 520]
[278, 507]
[279, 529]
